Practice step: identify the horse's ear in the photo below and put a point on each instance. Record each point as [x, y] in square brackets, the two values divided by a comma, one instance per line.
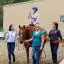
[20, 27]
[24, 26]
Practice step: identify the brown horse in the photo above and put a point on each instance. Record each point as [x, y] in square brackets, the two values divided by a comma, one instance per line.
[26, 32]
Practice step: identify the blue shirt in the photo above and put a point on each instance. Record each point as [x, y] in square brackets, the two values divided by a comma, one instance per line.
[37, 38]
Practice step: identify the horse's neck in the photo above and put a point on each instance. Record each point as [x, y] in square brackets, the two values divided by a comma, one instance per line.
[27, 32]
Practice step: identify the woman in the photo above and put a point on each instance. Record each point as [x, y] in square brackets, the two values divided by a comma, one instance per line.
[11, 38]
[37, 44]
[34, 16]
[54, 35]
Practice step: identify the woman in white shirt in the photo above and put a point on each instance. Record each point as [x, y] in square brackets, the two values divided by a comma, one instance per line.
[34, 16]
[11, 38]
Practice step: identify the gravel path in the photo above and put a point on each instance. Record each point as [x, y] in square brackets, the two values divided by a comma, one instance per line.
[21, 56]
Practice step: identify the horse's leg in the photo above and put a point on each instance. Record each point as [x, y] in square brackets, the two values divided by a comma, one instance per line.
[27, 52]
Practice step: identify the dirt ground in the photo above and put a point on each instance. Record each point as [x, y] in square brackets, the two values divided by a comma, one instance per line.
[21, 55]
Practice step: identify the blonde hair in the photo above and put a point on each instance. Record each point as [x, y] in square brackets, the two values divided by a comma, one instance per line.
[37, 25]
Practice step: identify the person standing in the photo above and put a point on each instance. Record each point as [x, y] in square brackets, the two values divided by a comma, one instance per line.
[54, 35]
[37, 44]
[11, 39]
[34, 16]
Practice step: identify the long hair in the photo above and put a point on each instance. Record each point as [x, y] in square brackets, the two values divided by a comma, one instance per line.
[56, 25]
[10, 27]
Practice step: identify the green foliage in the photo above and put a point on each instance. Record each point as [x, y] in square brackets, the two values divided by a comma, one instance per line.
[16, 1]
[4, 2]
[1, 18]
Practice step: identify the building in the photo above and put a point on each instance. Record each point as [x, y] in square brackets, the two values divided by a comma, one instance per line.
[50, 11]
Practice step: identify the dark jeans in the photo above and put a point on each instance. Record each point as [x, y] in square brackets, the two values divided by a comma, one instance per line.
[35, 55]
[54, 49]
[11, 47]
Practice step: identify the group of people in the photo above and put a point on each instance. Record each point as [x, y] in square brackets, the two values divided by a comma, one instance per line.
[37, 39]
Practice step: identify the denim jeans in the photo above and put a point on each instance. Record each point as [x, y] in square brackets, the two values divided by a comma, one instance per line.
[35, 55]
[11, 47]
[54, 49]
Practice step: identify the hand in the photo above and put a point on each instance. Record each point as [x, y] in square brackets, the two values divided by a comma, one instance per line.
[41, 48]
[26, 41]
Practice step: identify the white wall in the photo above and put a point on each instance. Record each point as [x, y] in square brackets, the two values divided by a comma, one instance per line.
[50, 11]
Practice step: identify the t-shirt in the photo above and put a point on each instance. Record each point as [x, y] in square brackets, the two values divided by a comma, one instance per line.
[34, 18]
[11, 36]
[37, 38]
[55, 35]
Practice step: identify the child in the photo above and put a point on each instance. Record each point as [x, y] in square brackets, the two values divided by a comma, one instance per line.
[11, 38]
[34, 16]
[37, 44]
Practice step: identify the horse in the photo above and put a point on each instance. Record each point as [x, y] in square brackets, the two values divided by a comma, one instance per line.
[26, 32]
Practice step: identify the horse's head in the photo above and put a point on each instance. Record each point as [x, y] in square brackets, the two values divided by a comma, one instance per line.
[26, 31]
